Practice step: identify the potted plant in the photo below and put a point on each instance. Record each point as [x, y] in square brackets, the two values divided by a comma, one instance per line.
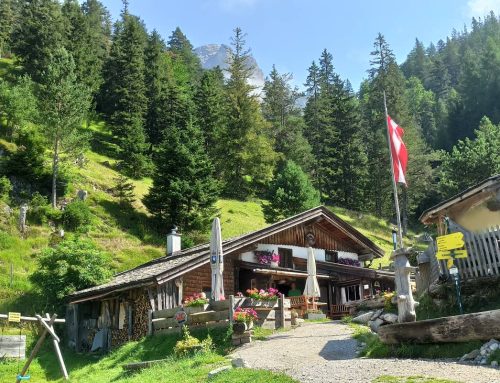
[264, 298]
[265, 257]
[196, 303]
[243, 319]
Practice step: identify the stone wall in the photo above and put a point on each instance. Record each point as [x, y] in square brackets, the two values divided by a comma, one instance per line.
[197, 280]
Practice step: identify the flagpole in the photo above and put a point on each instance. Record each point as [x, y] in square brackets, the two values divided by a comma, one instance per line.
[394, 186]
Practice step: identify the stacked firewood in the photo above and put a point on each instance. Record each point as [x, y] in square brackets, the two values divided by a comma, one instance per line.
[140, 320]
[120, 336]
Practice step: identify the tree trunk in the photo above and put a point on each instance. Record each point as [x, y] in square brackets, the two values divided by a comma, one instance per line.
[460, 328]
[55, 170]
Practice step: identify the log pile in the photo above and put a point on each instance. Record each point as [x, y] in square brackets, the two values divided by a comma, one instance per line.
[141, 307]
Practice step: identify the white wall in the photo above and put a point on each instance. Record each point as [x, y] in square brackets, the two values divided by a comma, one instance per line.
[299, 252]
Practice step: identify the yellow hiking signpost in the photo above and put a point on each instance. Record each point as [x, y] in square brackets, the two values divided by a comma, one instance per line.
[450, 242]
[451, 247]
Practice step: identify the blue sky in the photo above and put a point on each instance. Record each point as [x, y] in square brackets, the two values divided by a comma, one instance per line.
[292, 33]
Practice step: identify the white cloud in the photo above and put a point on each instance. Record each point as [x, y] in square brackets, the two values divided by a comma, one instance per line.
[480, 8]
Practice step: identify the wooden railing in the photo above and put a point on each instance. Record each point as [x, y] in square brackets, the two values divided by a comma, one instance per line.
[339, 311]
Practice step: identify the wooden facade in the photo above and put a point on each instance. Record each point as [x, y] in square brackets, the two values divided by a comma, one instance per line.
[113, 313]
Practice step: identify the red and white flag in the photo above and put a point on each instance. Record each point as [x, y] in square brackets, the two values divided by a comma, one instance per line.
[398, 149]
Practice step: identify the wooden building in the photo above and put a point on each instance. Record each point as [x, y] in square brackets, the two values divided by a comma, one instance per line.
[109, 314]
[475, 212]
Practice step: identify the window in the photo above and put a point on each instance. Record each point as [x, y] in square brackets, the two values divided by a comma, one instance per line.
[286, 257]
[351, 293]
[331, 256]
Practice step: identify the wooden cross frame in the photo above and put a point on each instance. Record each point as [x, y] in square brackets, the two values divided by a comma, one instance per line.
[48, 328]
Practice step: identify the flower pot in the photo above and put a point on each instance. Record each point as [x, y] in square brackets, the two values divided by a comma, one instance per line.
[274, 264]
[263, 303]
[195, 309]
[239, 327]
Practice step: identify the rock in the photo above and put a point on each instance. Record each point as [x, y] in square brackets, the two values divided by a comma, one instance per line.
[483, 361]
[390, 318]
[212, 373]
[494, 364]
[82, 195]
[471, 355]
[376, 314]
[493, 346]
[363, 318]
[239, 363]
[483, 352]
[374, 325]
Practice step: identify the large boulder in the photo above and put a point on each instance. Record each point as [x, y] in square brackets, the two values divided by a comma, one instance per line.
[375, 324]
[363, 318]
[390, 318]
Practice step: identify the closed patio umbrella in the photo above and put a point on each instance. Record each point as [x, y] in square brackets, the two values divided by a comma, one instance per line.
[216, 261]
[312, 286]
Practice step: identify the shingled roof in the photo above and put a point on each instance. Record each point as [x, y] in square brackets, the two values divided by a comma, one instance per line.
[166, 268]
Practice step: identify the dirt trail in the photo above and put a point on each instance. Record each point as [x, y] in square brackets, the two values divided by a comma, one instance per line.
[325, 352]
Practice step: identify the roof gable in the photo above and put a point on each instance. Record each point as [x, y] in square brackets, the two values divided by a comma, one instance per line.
[168, 267]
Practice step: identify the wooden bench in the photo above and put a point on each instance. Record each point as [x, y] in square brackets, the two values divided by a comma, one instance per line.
[302, 303]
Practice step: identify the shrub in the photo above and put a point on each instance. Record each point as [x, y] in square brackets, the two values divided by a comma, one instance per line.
[5, 188]
[189, 345]
[76, 216]
[72, 265]
[38, 208]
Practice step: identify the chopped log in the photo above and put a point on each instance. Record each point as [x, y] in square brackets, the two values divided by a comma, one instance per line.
[459, 328]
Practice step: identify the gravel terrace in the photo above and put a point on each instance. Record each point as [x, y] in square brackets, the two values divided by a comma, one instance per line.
[325, 352]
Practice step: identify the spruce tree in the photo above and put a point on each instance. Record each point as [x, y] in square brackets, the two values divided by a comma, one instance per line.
[279, 107]
[182, 51]
[211, 114]
[290, 193]
[6, 25]
[124, 191]
[159, 81]
[38, 35]
[124, 94]
[249, 147]
[184, 189]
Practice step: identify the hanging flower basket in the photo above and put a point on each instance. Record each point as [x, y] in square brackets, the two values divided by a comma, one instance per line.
[265, 257]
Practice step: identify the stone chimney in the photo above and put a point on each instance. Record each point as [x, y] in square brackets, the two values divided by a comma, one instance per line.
[173, 242]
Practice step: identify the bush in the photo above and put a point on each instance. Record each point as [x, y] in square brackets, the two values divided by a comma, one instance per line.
[76, 216]
[72, 265]
[5, 189]
[189, 345]
[38, 208]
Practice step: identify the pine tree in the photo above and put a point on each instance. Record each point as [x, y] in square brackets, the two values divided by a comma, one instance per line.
[124, 190]
[6, 25]
[39, 34]
[158, 78]
[182, 51]
[249, 148]
[279, 107]
[211, 114]
[289, 194]
[124, 94]
[63, 105]
[184, 190]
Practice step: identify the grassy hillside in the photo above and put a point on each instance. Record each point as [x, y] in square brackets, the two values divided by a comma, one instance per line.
[128, 234]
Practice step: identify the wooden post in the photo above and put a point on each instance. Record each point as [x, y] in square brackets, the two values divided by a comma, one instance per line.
[150, 322]
[406, 304]
[231, 309]
[281, 310]
[55, 342]
[35, 350]
[11, 274]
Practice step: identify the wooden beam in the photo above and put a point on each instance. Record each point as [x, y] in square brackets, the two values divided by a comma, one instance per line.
[60, 359]
[50, 329]
[33, 319]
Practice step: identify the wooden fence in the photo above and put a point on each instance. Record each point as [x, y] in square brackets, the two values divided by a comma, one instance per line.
[220, 314]
[483, 259]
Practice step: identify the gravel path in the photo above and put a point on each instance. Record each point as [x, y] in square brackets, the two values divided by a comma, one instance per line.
[325, 352]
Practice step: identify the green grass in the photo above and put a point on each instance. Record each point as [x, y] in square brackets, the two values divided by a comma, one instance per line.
[86, 368]
[260, 333]
[239, 217]
[411, 379]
